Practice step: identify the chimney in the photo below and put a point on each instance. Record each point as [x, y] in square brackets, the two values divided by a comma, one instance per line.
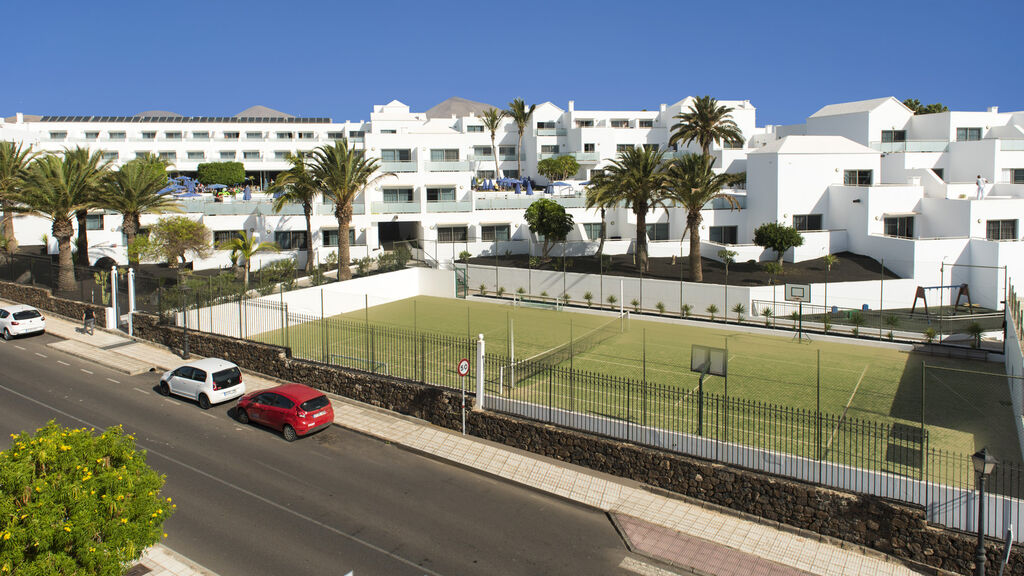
[993, 109]
[572, 105]
[663, 107]
[19, 118]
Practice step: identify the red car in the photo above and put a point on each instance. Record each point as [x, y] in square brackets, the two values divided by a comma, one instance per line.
[294, 409]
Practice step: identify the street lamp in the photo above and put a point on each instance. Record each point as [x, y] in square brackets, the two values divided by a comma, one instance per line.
[983, 465]
[184, 306]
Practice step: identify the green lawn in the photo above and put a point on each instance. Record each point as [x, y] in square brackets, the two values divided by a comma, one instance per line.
[771, 378]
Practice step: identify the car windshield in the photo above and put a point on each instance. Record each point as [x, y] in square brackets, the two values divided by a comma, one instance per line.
[27, 314]
[314, 404]
[227, 378]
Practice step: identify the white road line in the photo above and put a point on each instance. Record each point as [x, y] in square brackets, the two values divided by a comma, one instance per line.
[63, 362]
[208, 414]
[637, 567]
[140, 390]
[172, 402]
[84, 370]
[19, 347]
[40, 355]
[112, 380]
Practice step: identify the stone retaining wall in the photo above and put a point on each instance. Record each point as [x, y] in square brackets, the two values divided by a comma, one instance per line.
[883, 525]
[41, 297]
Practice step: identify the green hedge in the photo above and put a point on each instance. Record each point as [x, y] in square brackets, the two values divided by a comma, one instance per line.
[226, 173]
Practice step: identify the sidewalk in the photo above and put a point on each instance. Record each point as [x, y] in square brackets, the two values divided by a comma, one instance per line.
[691, 535]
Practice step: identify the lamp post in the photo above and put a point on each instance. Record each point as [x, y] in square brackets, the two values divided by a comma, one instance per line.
[983, 465]
[184, 307]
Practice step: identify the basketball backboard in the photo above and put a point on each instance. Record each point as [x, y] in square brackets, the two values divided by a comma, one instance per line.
[798, 292]
[708, 359]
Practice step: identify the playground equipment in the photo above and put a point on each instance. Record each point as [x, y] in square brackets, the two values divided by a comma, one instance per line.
[962, 291]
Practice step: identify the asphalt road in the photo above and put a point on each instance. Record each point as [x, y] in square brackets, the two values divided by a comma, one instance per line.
[251, 503]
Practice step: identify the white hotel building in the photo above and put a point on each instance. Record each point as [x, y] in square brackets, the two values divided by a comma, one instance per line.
[867, 177]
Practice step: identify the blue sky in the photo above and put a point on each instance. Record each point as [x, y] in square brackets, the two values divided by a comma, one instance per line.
[340, 58]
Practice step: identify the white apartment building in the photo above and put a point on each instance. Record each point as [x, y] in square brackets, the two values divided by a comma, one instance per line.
[868, 177]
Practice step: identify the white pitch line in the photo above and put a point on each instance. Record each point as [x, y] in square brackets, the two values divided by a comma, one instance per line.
[112, 380]
[140, 390]
[41, 355]
[847, 408]
[63, 362]
[86, 371]
[19, 347]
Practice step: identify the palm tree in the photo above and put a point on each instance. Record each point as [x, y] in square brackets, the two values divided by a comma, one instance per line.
[601, 195]
[14, 162]
[53, 189]
[707, 122]
[728, 257]
[245, 247]
[134, 190]
[830, 260]
[520, 114]
[86, 171]
[692, 184]
[296, 185]
[636, 177]
[341, 173]
[492, 118]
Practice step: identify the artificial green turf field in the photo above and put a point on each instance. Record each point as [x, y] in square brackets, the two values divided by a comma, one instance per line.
[963, 410]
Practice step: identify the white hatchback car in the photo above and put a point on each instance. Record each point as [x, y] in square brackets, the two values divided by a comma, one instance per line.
[19, 319]
[208, 381]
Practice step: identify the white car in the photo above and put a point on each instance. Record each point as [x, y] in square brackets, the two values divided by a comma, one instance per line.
[208, 381]
[19, 319]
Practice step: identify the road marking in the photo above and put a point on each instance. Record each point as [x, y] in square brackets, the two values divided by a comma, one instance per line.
[208, 414]
[40, 355]
[63, 362]
[637, 567]
[19, 347]
[84, 370]
[140, 390]
[255, 496]
[172, 402]
[112, 380]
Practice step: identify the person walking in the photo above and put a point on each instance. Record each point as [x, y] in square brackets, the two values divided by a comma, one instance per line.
[89, 321]
[981, 186]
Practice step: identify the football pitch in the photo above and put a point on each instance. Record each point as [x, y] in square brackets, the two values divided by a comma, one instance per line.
[964, 404]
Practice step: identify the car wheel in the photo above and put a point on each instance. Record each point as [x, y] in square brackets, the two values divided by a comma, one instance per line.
[243, 417]
[204, 402]
[7, 334]
[165, 390]
[289, 433]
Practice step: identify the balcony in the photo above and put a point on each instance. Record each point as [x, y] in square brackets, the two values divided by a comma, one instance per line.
[509, 158]
[550, 131]
[452, 166]
[912, 146]
[395, 208]
[327, 208]
[590, 157]
[398, 167]
[517, 202]
[546, 155]
[723, 204]
[463, 206]
[1011, 145]
[571, 201]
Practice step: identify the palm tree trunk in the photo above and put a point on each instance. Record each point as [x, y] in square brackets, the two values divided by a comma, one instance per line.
[307, 209]
[245, 276]
[344, 214]
[696, 270]
[130, 228]
[494, 151]
[66, 267]
[8, 227]
[604, 232]
[519, 155]
[83, 238]
[641, 237]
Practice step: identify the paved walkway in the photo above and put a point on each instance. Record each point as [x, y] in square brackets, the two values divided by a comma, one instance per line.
[691, 535]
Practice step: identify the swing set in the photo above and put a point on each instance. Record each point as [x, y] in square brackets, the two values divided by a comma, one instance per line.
[962, 292]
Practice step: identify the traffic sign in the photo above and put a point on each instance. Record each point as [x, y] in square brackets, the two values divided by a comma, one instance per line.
[463, 367]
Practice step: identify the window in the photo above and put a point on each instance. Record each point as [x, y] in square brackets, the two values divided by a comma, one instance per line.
[172, 135]
[116, 135]
[543, 125]
[894, 135]
[143, 154]
[723, 234]
[398, 195]
[585, 123]
[592, 230]
[623, 147]
[857, 177]
[1001, 229]
[250, 155]
[807, 221]
[94, 222]
[474, 128]
[1017, 175]
[196, 155]
[939, 172]
[549, 149]
[168, 156]
[513, 173]
[967, 134]
[732, 144]
[651, 147]
[507, 152]
[389, 131]
[149, 135]
[231, 135]
[645, 123]
[485, 174]
[290, 239]
[109, 156]
[335, 135]
[307, 136]
[280, 154]
[396, 155]
[444, 155]
[620, 123]
[900, 226]
[92, 135]
[494, 232]
[657, 231]
[356, 133]
[591, 147]
[254, 135]
[482, 151]
[200, 135]
[331, 237]
[221, 236]
[451, 234]
[228, 154]
[285, 135]
[440, 194]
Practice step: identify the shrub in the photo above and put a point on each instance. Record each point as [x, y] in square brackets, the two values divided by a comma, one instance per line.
[544, 294]
[685, 310]
[827, 325]
[565, 299]
[930, 335]
[534, 262]
[890, 335]
[892, 321]
[661, 307]
[226, 173]
[612, 300]
[739, 309]
[483, 289]
[767, 313]
[636, 305]
[589, 297]
[464, 255]
[975, 330]
[277, 272]
[857, 319]
[102, 279]
[712, 310]
[500, 291]
[520, 291]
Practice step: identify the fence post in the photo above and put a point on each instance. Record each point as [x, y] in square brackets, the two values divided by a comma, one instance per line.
[924, 368]
[480, 367]
[325, 357]
[113, 296]
[240, 316]
[131, 300]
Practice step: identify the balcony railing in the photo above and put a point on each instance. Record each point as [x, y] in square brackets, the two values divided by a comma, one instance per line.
[1011, 144]
[546, 155]
[550, 131]
[505, 203]
[571, 201]
[509, 158]
[912, 146]
[453, 166]
[395, 208]
[398, 167]
[723, 204]
[463, 206]
[586, 156]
